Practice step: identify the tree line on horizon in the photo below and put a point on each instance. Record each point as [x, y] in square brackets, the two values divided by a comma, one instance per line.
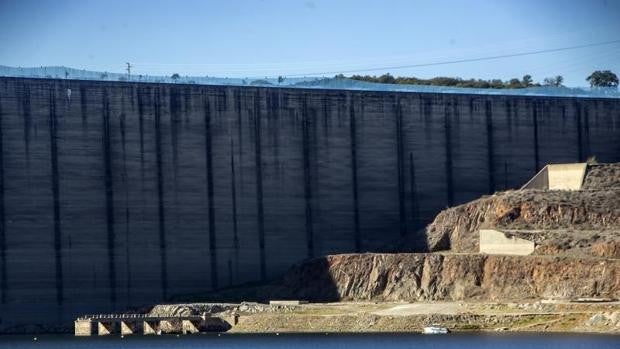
[599, 78]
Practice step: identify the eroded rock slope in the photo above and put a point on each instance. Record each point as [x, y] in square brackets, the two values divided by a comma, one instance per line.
[585, 222]
[415, 277]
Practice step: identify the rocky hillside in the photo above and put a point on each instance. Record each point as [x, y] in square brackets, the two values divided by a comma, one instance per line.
[577, 254]
[456, 228]
[416, 277]
[585, 221]
[577, 237]
[602, 176]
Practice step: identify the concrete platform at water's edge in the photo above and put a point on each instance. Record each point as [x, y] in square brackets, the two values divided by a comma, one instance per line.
[126, 324]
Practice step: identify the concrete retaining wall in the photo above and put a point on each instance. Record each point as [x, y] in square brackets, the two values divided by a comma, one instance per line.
[559, 177]
[130, 193]
[496, 242]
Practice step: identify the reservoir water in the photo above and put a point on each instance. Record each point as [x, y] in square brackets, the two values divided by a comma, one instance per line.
[314, 341]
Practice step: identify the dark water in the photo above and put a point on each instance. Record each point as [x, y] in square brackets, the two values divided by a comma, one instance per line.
[332, 341]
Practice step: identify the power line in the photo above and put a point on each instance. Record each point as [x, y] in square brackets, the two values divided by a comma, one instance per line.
[467, 60]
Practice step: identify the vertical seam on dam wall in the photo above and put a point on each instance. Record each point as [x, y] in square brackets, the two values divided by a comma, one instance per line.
[26, 109]
[490, 150]
[259, 185]
[414, 204]
[400, 167]
[448, 164]
[326, 115]
[83, 109]
[55, 196]
[125, 178]
[3, 268]
[239, 124]
[356, 209]
[174, 99]
[109, 196]
[579, 139]
[160, 197]
[586, 132]
[140, 98]
[535, 121]
[233, 193]
[307, 180]
[174, 102]
[141, 130]
[508, 114]
[210, 194]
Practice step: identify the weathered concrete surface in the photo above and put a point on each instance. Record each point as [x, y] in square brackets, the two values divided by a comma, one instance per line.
[566, 176]
[126, 193]
[559, 177]
[496, 242]
[83, 327]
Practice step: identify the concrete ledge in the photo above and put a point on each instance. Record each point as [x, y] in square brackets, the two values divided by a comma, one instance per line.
[128, 327]
[150, 327]
[286, 302]
[558, 177]
[566, 176]
[106, 328]
[84, 328]
[496, 242]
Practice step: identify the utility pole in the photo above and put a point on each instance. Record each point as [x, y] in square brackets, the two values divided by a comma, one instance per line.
[128, 71]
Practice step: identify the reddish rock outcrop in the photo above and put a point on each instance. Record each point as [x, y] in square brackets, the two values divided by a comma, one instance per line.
[456, 228]
[414, 277]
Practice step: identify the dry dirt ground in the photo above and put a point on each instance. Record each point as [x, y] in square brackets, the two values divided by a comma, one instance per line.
[457, 316]
[543, 315]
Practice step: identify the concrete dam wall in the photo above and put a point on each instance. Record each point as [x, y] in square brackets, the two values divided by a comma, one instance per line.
[120, 194]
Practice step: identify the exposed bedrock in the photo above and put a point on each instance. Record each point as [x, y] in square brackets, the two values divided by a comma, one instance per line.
[456, 228]
[415, 277]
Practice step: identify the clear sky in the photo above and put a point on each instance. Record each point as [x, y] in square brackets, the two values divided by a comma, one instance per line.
[256, 38]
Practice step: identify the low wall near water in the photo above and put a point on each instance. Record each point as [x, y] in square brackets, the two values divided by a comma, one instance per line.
[128, 193]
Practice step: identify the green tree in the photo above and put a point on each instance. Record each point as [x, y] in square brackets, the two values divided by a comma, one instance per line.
[603, 78]
[175, 77]
[554, 81]
[514, 83]
[387, 79]
[527, 80]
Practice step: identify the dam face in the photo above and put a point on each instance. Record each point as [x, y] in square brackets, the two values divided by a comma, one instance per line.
[125, 194]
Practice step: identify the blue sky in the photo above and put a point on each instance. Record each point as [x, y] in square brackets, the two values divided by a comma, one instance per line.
[256, 38]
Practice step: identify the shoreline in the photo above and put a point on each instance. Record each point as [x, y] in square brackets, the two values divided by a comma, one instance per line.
[387, 317]
[456, 316]
[391, 317]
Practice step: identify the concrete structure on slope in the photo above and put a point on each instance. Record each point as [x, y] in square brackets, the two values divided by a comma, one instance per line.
[559, 177]
[496, 242]
[131, 193]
